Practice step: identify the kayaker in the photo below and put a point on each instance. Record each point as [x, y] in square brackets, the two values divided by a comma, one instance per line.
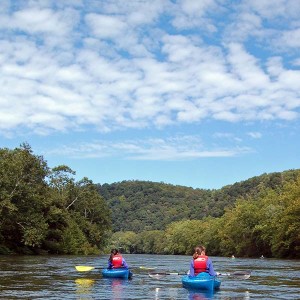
[201, 263]
[116, 260]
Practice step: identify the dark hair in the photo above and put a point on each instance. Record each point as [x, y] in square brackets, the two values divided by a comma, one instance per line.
[198, 251]
[113, 252]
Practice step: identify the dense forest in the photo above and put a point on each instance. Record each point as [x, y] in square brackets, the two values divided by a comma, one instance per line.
[259, 216]
[141, 205]
[44, 210]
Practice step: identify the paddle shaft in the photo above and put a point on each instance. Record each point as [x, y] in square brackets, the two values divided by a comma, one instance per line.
[168, 273]
[89, 268]
[238, 274]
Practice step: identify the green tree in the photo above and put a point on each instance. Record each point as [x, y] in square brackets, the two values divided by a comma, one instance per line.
[280, 224]
[43, 209]
[82, 202]
[23, 197]
[124, 241]
[95, 216]
[151, 241]
[238, 233]
[183, 236]
[209, 230]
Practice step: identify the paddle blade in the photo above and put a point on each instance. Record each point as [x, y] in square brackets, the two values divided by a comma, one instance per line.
[160, 275]
[241, 274]
[237, 274]
[84, 268]
[147, 268]
[157, 275]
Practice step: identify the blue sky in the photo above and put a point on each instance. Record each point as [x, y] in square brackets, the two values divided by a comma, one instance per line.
[195, 93]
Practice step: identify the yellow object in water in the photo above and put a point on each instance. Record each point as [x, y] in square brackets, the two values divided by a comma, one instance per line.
[84, 282]
[84, 268]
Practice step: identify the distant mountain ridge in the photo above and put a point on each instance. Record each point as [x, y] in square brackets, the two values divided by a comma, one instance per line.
[144, 205]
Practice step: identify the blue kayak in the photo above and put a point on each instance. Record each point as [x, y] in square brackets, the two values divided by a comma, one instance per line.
[117, 273]
[203, 281]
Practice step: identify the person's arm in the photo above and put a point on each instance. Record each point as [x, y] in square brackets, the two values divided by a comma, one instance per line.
[124, 264]
[210, 267]
[110, 265]
[192, 270]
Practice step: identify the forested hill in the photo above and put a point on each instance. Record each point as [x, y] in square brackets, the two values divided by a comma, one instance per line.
[46, 210]
[142, 205]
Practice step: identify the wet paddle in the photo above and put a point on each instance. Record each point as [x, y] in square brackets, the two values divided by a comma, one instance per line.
[147, 268]
[85, 268]
[158, 275]
[237, 274]
[88, 268]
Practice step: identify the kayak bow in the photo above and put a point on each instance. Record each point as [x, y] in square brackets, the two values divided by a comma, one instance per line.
[117, 273]
[202, 281]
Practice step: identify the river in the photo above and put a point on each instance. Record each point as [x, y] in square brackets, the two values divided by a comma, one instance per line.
[55, 277]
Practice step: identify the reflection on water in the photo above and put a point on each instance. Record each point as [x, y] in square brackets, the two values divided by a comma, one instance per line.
[117, 287]
[156, 293]
[197, 295]
[84, 286]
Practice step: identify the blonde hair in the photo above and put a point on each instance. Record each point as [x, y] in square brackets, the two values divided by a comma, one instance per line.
[198, 251]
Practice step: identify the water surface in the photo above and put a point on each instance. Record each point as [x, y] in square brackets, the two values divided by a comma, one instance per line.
[55, 277]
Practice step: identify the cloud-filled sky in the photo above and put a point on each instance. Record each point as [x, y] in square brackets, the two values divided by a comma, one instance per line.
[195, 93]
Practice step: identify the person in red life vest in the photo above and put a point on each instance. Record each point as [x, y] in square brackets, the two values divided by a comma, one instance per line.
[116, 260]
[201, 263]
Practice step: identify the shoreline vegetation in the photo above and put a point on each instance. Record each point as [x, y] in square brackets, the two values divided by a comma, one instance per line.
[46, 211]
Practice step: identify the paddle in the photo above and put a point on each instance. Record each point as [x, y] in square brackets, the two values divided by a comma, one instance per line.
[159, 275]
[237, 274]
[89, 268]
[85, 268]
[147, 268]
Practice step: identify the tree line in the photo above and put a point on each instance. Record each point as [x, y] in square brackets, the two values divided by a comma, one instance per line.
[259, 216]
[267, 224]
[44, 210]
[144, 205]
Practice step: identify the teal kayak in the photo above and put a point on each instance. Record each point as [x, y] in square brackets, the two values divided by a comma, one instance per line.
[203, 281]
[117, 273]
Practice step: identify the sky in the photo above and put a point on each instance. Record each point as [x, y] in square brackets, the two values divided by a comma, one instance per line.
[186, 92]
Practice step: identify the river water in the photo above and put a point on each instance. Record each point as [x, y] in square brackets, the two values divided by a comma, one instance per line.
[55, 277]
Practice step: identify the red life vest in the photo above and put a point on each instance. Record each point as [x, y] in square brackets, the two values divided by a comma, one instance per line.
[117, 261]
[200, 264]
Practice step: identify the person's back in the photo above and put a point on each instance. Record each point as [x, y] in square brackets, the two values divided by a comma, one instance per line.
[116, 260]
[201, 263]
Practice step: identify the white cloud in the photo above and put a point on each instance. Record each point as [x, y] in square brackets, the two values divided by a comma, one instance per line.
[274, 9]
[296, 62]
[115, 66]
[290, 38]
[39, 20]
[189, 14]
[171, 149]
[106, 26]
[255, 135]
